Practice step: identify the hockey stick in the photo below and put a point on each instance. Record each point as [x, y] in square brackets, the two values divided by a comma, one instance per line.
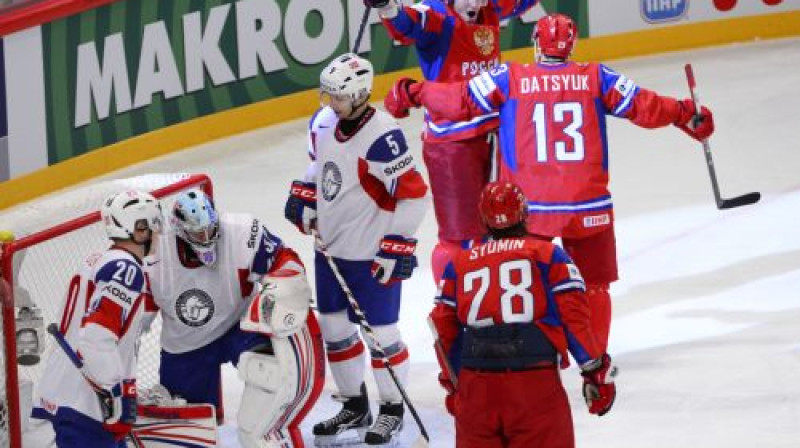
[738, 201]
[146, 431]
[437, 344]
[361, 27]
[105, 407]
[362, 320]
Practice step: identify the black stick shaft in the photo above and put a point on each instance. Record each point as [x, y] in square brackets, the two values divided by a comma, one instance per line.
[362, 320]
[738, 201]
[361, 28]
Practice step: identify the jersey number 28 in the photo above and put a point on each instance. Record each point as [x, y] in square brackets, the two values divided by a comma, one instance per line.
[478, 282]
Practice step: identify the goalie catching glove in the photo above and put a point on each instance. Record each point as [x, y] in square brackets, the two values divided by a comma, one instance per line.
[395, 261]
[282, 305]
[301, 206]
[599, 389]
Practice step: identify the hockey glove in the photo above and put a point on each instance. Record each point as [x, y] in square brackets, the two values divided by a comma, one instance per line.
[376, 3]
[599, 389]
[395, 260]
[301, 207]
[699, 126]
[450, 399]
[404, 95]
[119, 408]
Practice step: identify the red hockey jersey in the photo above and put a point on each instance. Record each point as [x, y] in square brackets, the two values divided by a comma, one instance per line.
[515, 281]
[553, 133]
[450, 49]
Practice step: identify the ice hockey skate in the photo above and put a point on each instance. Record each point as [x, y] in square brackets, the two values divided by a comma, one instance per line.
[388, 423]
[346, 428]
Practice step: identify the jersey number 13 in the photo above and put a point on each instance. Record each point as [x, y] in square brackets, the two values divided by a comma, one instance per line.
[571, 129]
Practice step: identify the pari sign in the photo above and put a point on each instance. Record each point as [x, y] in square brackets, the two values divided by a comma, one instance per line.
[658, 11]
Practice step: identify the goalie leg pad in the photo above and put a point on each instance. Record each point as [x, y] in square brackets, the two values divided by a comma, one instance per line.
[171, 425]
[280, 388]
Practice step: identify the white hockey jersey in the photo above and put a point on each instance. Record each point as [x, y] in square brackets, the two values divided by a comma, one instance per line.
[200, 303]
[367, 184]
[102, 320]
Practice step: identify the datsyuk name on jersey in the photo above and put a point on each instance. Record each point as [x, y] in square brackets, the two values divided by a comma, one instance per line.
[546, 83]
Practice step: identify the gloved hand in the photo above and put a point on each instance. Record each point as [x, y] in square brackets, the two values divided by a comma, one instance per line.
[404, 95]
[450, 399]
[395, 259]
[699, 127]
[119, 407]
[599, 389]
[376, 3]
[301, 206]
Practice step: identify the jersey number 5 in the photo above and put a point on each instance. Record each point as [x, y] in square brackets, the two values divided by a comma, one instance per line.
[572, 130]
[480, 282]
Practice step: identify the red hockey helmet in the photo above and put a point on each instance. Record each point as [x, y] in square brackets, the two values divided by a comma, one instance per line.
[555, 35]
[502, 205]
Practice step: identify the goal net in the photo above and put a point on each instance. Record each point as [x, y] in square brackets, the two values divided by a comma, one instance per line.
[52, 236]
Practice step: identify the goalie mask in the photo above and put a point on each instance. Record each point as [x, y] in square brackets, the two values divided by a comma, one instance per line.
[196, 221]
[122, 212]
[346, 84]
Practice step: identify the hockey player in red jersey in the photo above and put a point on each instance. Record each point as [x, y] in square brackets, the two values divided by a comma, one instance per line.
[455, 40]
[507, 310]
[553, 141]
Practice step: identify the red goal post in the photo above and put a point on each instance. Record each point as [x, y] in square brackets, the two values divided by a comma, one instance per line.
[52, 236]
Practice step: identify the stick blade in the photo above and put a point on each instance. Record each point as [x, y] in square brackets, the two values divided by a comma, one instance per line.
[739, 201]
[420, 442]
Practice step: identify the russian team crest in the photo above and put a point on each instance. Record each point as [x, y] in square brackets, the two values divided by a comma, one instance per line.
[484, 40]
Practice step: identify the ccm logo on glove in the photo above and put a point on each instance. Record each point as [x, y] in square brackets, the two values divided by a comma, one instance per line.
[303, 192]
[396, 247]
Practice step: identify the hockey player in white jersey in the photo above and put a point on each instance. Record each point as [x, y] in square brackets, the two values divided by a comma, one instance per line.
[231, 291]
[102, 320]
[365, 198]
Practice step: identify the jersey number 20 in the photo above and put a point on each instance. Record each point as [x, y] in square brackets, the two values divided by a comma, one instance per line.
[479, 281]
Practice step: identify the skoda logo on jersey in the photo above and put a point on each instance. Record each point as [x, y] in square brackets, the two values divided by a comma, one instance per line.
[331, 181]
[657, 11]
[194, 307]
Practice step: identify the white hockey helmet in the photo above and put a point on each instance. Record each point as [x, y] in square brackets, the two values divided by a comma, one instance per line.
[196, 221]
[347, 75]
[121, 211]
